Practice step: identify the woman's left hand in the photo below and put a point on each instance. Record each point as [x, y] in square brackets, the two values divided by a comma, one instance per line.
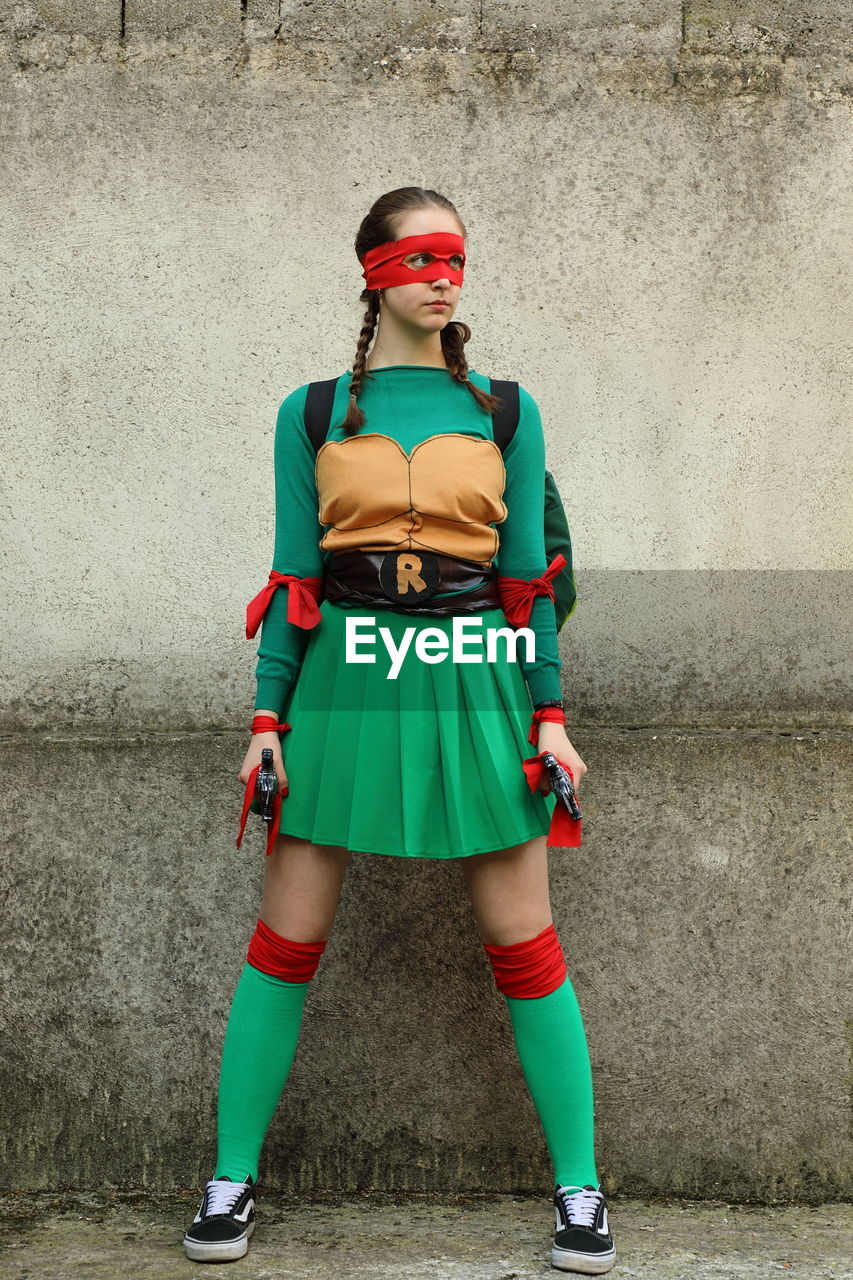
[552, 737]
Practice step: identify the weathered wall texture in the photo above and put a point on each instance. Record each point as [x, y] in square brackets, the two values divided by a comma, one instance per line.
[657, 198]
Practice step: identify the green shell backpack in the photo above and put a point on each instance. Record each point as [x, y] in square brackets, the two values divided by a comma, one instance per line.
[318, 415]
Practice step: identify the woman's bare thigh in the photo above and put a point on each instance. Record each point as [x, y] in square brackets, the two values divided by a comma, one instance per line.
[302, 887]
[509, 891]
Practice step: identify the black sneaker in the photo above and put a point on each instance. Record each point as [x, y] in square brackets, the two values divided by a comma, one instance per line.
[582, 1241]
[220, 1230]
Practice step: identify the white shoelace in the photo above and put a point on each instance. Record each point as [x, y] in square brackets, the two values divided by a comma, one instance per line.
[580, 1207]
[222, 1196]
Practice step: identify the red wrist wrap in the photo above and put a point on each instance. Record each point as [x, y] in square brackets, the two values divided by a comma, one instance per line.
[266, 724]
[555, 714]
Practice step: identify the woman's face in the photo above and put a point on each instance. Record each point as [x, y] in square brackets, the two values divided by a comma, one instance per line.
[410, 304]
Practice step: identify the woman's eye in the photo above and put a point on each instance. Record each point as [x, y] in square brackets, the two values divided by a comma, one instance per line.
[456, 258]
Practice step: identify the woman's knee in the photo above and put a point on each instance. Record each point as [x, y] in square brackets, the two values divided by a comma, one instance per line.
[284, 958]
[528, 969]
[511, 900]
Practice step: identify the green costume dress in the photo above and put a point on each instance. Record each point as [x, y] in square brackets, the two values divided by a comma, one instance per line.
[427, 764]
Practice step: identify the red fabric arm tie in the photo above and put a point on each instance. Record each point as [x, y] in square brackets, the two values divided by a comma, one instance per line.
[303, 598]
[263, 724]
[557, 714]
[517, 594]
[564, 831]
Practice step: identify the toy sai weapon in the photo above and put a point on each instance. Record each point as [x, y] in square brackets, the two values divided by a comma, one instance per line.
[266, 785]
[561, 784]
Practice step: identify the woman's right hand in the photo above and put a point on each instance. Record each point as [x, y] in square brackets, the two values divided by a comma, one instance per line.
[253, 758]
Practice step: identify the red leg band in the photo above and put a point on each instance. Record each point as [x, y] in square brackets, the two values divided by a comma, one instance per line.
[528, 969]
[283, 958]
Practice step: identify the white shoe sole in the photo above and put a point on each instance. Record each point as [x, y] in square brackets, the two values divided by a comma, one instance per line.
[589, 1264]
[227, 1251]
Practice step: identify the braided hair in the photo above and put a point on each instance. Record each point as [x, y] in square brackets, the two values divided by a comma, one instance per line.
[376, 228]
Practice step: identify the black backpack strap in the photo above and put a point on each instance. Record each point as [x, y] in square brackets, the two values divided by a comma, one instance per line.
[505, 421]
[318, 410]
[321, 395]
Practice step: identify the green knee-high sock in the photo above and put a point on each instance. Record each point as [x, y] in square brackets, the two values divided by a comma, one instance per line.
[259, 1047]
[552, 1049]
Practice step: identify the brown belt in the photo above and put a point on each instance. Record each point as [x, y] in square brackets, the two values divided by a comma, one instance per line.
[409, 581]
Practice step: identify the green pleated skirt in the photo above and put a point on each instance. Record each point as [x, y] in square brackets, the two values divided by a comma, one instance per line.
[424, 765]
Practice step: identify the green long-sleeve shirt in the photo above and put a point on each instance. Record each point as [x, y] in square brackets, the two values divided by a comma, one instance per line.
[408, 403]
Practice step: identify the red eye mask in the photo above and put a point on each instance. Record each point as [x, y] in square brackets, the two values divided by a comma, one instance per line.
[384, 266]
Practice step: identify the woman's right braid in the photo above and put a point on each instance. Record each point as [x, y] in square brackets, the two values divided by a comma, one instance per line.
[355, 417]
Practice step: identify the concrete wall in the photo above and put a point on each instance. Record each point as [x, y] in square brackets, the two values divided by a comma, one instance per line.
[657, 198]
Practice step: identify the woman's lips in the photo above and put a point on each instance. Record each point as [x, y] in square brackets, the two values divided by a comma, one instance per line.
[438, 305]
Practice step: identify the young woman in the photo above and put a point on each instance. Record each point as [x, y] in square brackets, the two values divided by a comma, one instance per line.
[387, 537]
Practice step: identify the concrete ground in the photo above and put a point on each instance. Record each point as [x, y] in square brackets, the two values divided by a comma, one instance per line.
[132, 1234]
